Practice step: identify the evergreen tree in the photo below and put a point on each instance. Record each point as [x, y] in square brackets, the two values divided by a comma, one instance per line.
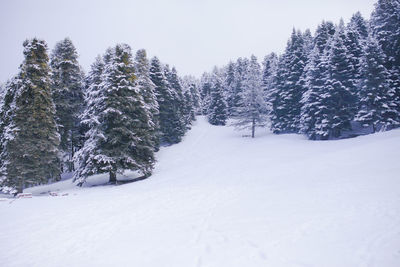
[315, 114]
[218, 112]
[171, 122]
[67, 90]
[342, 103]
[229, 84]
[188, 111]
[192, 85]
[323, 34]
[205, 93]
[354, 42]
[30, 139]
[176, 127]
[385, 26]
[270, 66]
[147, 89]
[240, 71]
[251, 111]
[376, 97]
[119, 138]
[289, 89]
[358, 23]
[6, 113]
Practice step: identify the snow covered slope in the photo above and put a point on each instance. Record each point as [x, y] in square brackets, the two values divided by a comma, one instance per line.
[219, 199]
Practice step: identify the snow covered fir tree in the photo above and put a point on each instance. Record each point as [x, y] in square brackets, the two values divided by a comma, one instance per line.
[29, 138]
[67, 89]
[341, 81]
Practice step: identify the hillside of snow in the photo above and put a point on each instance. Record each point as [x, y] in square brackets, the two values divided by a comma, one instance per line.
[220, 199]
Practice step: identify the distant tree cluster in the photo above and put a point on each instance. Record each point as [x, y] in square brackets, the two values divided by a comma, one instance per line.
[341, 82]
[54, 119]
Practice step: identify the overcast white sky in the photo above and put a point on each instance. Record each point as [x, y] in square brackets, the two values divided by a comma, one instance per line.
[191, 35]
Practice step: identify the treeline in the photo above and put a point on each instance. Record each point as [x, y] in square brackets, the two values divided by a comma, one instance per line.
[340, 82]
[54, 119]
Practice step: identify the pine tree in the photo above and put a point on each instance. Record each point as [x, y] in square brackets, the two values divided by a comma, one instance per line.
[218, 112]
[147, 89]
[251, 111]
[30, 140]
[323, 34]
[385, 26]
[270, 66]
[6, 112]
[378, 108]
[119, 138]
[188, 110]
[171, 125]
[240, 71]
[358, 23]
[354, 42]
[177, 124]
[342, 103]
[229, 84]
[315, 114]
[67, 90]
[285, 115]
[205, 93]
[192, 87]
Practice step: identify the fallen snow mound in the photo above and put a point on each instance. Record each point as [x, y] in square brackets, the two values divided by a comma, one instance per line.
[219, 199]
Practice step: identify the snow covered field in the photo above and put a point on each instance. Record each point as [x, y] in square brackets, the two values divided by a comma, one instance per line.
[220, 199]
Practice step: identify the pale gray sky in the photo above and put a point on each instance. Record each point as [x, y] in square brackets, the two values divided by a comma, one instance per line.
[191, 35]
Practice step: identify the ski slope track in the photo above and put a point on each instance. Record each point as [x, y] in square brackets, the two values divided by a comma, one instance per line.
[219, 199]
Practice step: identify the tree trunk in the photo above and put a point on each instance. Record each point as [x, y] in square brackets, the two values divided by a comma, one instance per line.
[253, 128]
[20, 187]
[113, 177]
[373, 128]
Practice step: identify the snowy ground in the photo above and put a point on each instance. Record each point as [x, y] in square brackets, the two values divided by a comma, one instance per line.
[219, 199]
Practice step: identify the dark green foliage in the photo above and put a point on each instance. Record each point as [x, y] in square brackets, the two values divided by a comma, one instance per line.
[315, 112]
[324, 32]
[229, 85]
[67, 89]
[377, 105]
[30, 141]
[147, 89]
[119, 138]
[385, 26]
[342, 102]
[218, 112]
[170, 100]
[286, 103]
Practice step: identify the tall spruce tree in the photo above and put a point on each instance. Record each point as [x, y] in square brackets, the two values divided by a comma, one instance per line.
[342, 103]
[251, 111]
[119, 138]
[270, 66]
[67, 89]
[323, 34]
[229, 84]
[205, 92]
[171, 126]
[177, 127]
[147, 89]
[377, 106]
[315, 114]
[289, 90]
[358, 23]
[385, 26]
[30, 140]
[218, 110]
